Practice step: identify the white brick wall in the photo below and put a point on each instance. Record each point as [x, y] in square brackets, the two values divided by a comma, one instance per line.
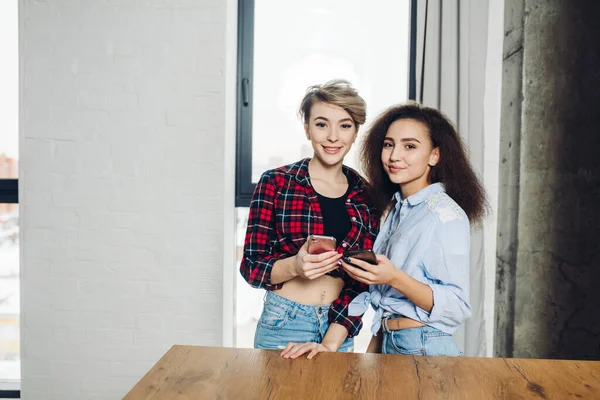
[124, 142]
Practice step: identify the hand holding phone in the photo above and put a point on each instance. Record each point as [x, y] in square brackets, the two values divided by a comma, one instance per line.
[366, 255]
[317, 257]
[381, 274]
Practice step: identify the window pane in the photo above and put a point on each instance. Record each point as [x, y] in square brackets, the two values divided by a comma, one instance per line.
[302, 43]
[10, 359]
[9, 92]
[9, 213]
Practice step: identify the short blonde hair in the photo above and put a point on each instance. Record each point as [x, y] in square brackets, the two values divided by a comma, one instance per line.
[337, 92]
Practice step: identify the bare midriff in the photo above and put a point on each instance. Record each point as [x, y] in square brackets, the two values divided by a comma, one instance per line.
[318, 292]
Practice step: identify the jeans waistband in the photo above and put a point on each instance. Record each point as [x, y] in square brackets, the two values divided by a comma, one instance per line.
[427, 329]
[293, 306]
[398, 323]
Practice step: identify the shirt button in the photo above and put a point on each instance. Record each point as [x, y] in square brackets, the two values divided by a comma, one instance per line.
[353, 219]
[347, 200]
[344, 244]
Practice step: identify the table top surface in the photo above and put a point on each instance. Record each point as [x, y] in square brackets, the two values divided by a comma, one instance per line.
[195, 372]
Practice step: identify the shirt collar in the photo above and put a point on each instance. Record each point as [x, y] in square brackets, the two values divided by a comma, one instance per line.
[421, 195]
[302, 171]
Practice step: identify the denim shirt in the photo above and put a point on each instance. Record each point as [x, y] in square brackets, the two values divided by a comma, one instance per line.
[427, 235]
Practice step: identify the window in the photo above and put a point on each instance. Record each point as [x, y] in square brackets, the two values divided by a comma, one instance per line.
[284, 47]
[10, 359]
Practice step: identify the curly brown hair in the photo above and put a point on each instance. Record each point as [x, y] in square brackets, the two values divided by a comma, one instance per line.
[453, 168]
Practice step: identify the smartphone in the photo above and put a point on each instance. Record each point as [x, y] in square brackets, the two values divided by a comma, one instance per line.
[362, 254]
[318, 244]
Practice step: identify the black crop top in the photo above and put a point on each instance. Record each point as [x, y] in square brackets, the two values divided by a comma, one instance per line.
[336, 221]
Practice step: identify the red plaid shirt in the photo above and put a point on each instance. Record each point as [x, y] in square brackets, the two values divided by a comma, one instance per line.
[284, 210]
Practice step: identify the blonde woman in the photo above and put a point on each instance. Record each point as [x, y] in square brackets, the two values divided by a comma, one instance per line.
[306, 305]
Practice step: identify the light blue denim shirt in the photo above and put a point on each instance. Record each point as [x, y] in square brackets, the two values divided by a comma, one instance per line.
[427, 235]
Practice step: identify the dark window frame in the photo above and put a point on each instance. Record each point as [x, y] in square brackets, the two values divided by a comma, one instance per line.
[245, 54]
[10, 394]
[244, 187]
[9, 191]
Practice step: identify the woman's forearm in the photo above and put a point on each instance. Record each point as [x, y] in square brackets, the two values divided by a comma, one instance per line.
[335, 336]
[417, 292]
[283, 270]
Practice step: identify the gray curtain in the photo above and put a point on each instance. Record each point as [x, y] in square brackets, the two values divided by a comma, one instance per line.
[455, 43]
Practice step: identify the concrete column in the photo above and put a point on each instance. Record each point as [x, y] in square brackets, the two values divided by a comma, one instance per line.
[548, 276]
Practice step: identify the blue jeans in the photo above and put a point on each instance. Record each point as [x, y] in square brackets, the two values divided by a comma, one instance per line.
[283, 321]
[424, 341]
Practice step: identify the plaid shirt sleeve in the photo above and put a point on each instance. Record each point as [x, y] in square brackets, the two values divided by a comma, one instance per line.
[259, 251]
[338, 312]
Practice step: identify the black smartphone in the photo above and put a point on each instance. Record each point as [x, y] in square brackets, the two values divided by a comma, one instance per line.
[362, 254]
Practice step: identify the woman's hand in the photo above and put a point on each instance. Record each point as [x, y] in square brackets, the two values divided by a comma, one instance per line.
[295, 350]
[313, 266]
[381, 274]
[385, 273]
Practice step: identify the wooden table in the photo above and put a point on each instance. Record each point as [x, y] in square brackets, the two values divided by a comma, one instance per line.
[191, 372]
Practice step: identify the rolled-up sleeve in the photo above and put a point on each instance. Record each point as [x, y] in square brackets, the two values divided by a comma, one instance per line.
[338, 312]
[260, 251]
[447, 266]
